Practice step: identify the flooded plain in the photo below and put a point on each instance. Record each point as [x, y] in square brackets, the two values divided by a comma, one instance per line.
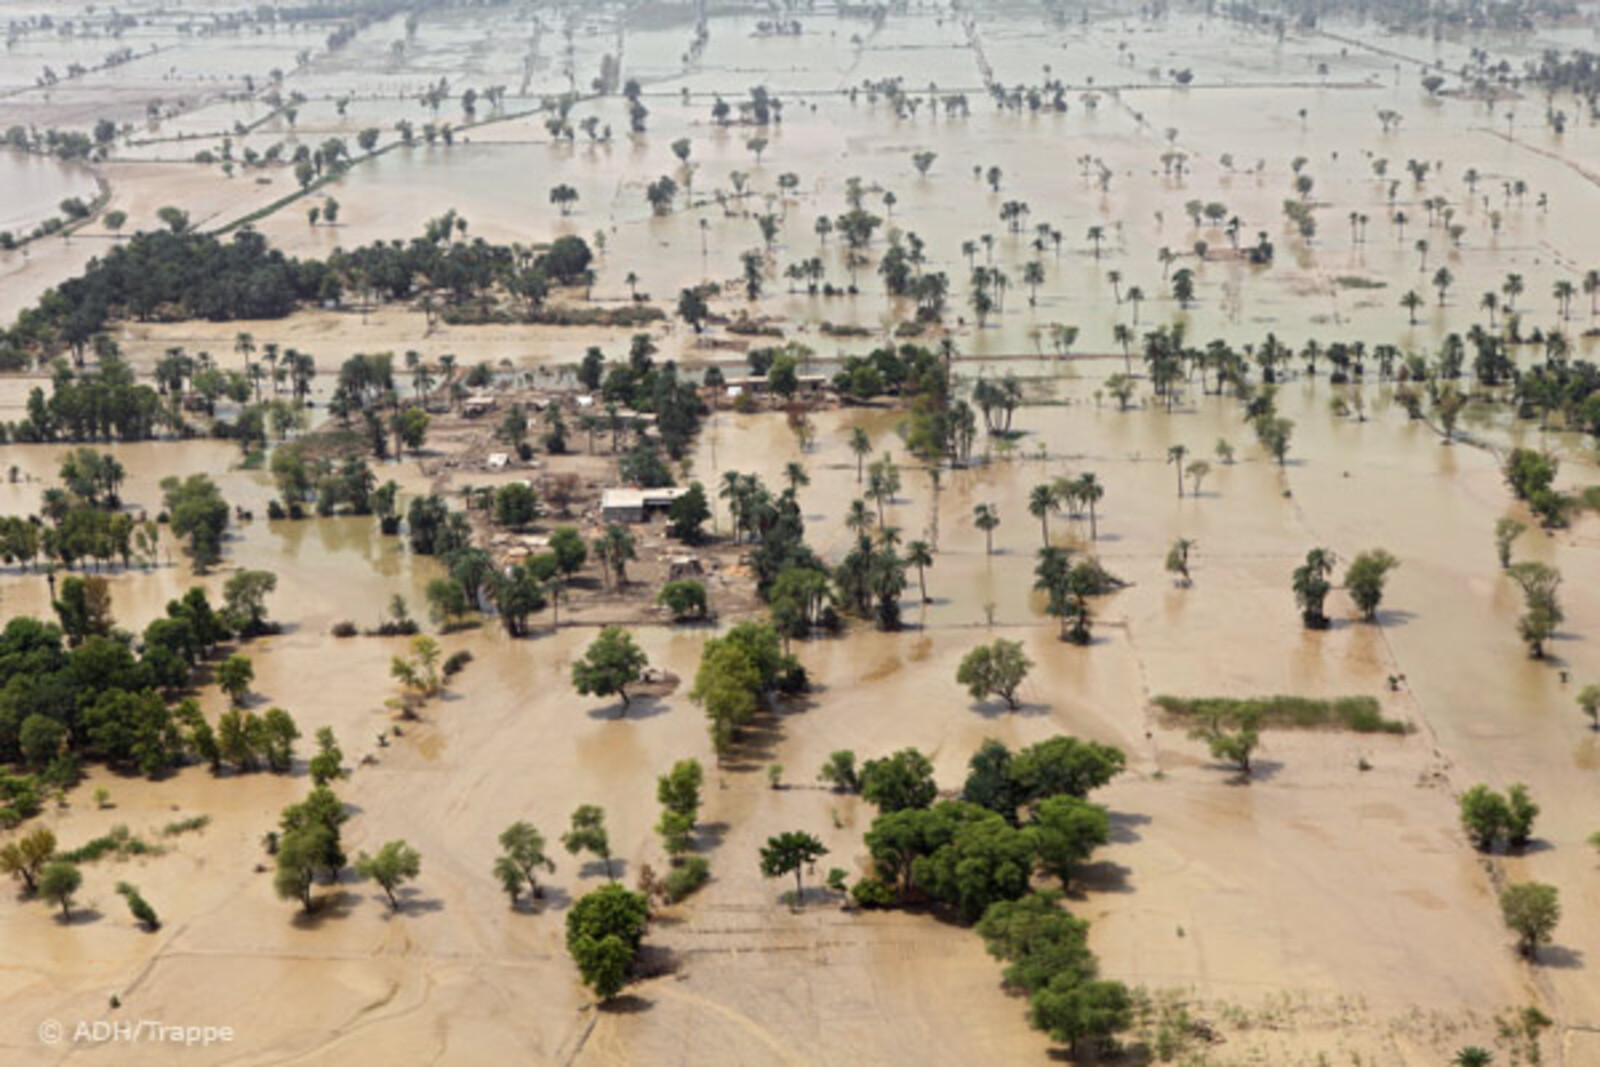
[1330, 907]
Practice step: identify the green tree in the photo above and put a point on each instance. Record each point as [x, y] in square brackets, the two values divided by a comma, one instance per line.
[395, 864]
[515, 505]
[244, 602]
[895, 783]
[1364, 580]
[197, 516]
[523, 856]
[1521, 811]
[1066, 831]
[685, 599]
[604, 930]
[1589, 701]
[984, 860]
[996, 669]
[59, 881]
[138, 907]
[1178, 560]
[1506, 532]
[919, 554]
[411, 428]
[1531, 911]
[1064, 765]
[1311, 586]
[84, 608]
[234, 676]
[840, 772]
[1485, 816]
[790, 853]
[609, 665]
[688, 514]
[989, 783]
[678, 792]
[588, 834]
[1085, 1016]
[987, 519]
[1231, 738]
[1539, 583]
[26, 856]
[566, 543]
[328, 764]
[861, 448]
[447, 602]
[1039, 940]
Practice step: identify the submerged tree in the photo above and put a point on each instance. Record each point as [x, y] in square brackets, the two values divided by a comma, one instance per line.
[609, 665]
[1364, 580]
[790, 853]
[1311, 587]
[996, 669]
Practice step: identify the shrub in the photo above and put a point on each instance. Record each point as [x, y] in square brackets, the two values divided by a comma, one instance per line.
[872, 893]
[685, 879]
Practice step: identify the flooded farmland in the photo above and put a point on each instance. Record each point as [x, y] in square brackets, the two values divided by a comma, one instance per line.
[1098, 187]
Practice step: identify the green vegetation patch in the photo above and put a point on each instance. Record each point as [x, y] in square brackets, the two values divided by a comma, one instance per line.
[1359, 714]
[184, 826]
[119, 843]
[1355, 281]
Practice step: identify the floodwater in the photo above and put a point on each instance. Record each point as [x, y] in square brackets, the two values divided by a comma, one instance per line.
[1321, 882]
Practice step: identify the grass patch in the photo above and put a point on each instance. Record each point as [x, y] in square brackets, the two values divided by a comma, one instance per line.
[1353, 281]
[1358, 714]
[185, 826]
[119, 843]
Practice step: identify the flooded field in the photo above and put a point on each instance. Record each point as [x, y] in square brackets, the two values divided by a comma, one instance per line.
[1329, 909]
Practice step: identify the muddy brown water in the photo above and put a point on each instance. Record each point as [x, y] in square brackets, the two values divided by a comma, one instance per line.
[1374, 856]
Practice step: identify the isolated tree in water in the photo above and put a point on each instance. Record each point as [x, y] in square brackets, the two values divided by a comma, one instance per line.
[611, 664]
[394, 864]
[997, 669]
[791, 852]
[588, 834]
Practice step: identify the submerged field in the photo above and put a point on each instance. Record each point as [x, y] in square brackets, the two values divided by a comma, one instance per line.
[1330, 906]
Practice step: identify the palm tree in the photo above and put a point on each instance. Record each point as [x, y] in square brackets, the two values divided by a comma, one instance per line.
[1122, 333]
[1135, 297]
[1591, 289]
[861, 445]
[1311, 586]
[1096, 235]
[1513, 289]
[1442, 280]
[1175, 456]
[1178, 559]
[1564, 292]
[920, 555]
[1033, 277]
[245, 345]
[795, 474]
[1491, 304]
[1041, 502]
[1115, 278]
[1411, 302]
[986, 518]
[858, 520]
[1089, 490]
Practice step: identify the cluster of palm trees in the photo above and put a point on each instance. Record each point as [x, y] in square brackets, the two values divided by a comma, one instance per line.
[1077, 495]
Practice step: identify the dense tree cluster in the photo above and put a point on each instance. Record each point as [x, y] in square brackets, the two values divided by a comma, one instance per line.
[1019, 814]
[178, 274]
[85, 690]
[739, 672]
